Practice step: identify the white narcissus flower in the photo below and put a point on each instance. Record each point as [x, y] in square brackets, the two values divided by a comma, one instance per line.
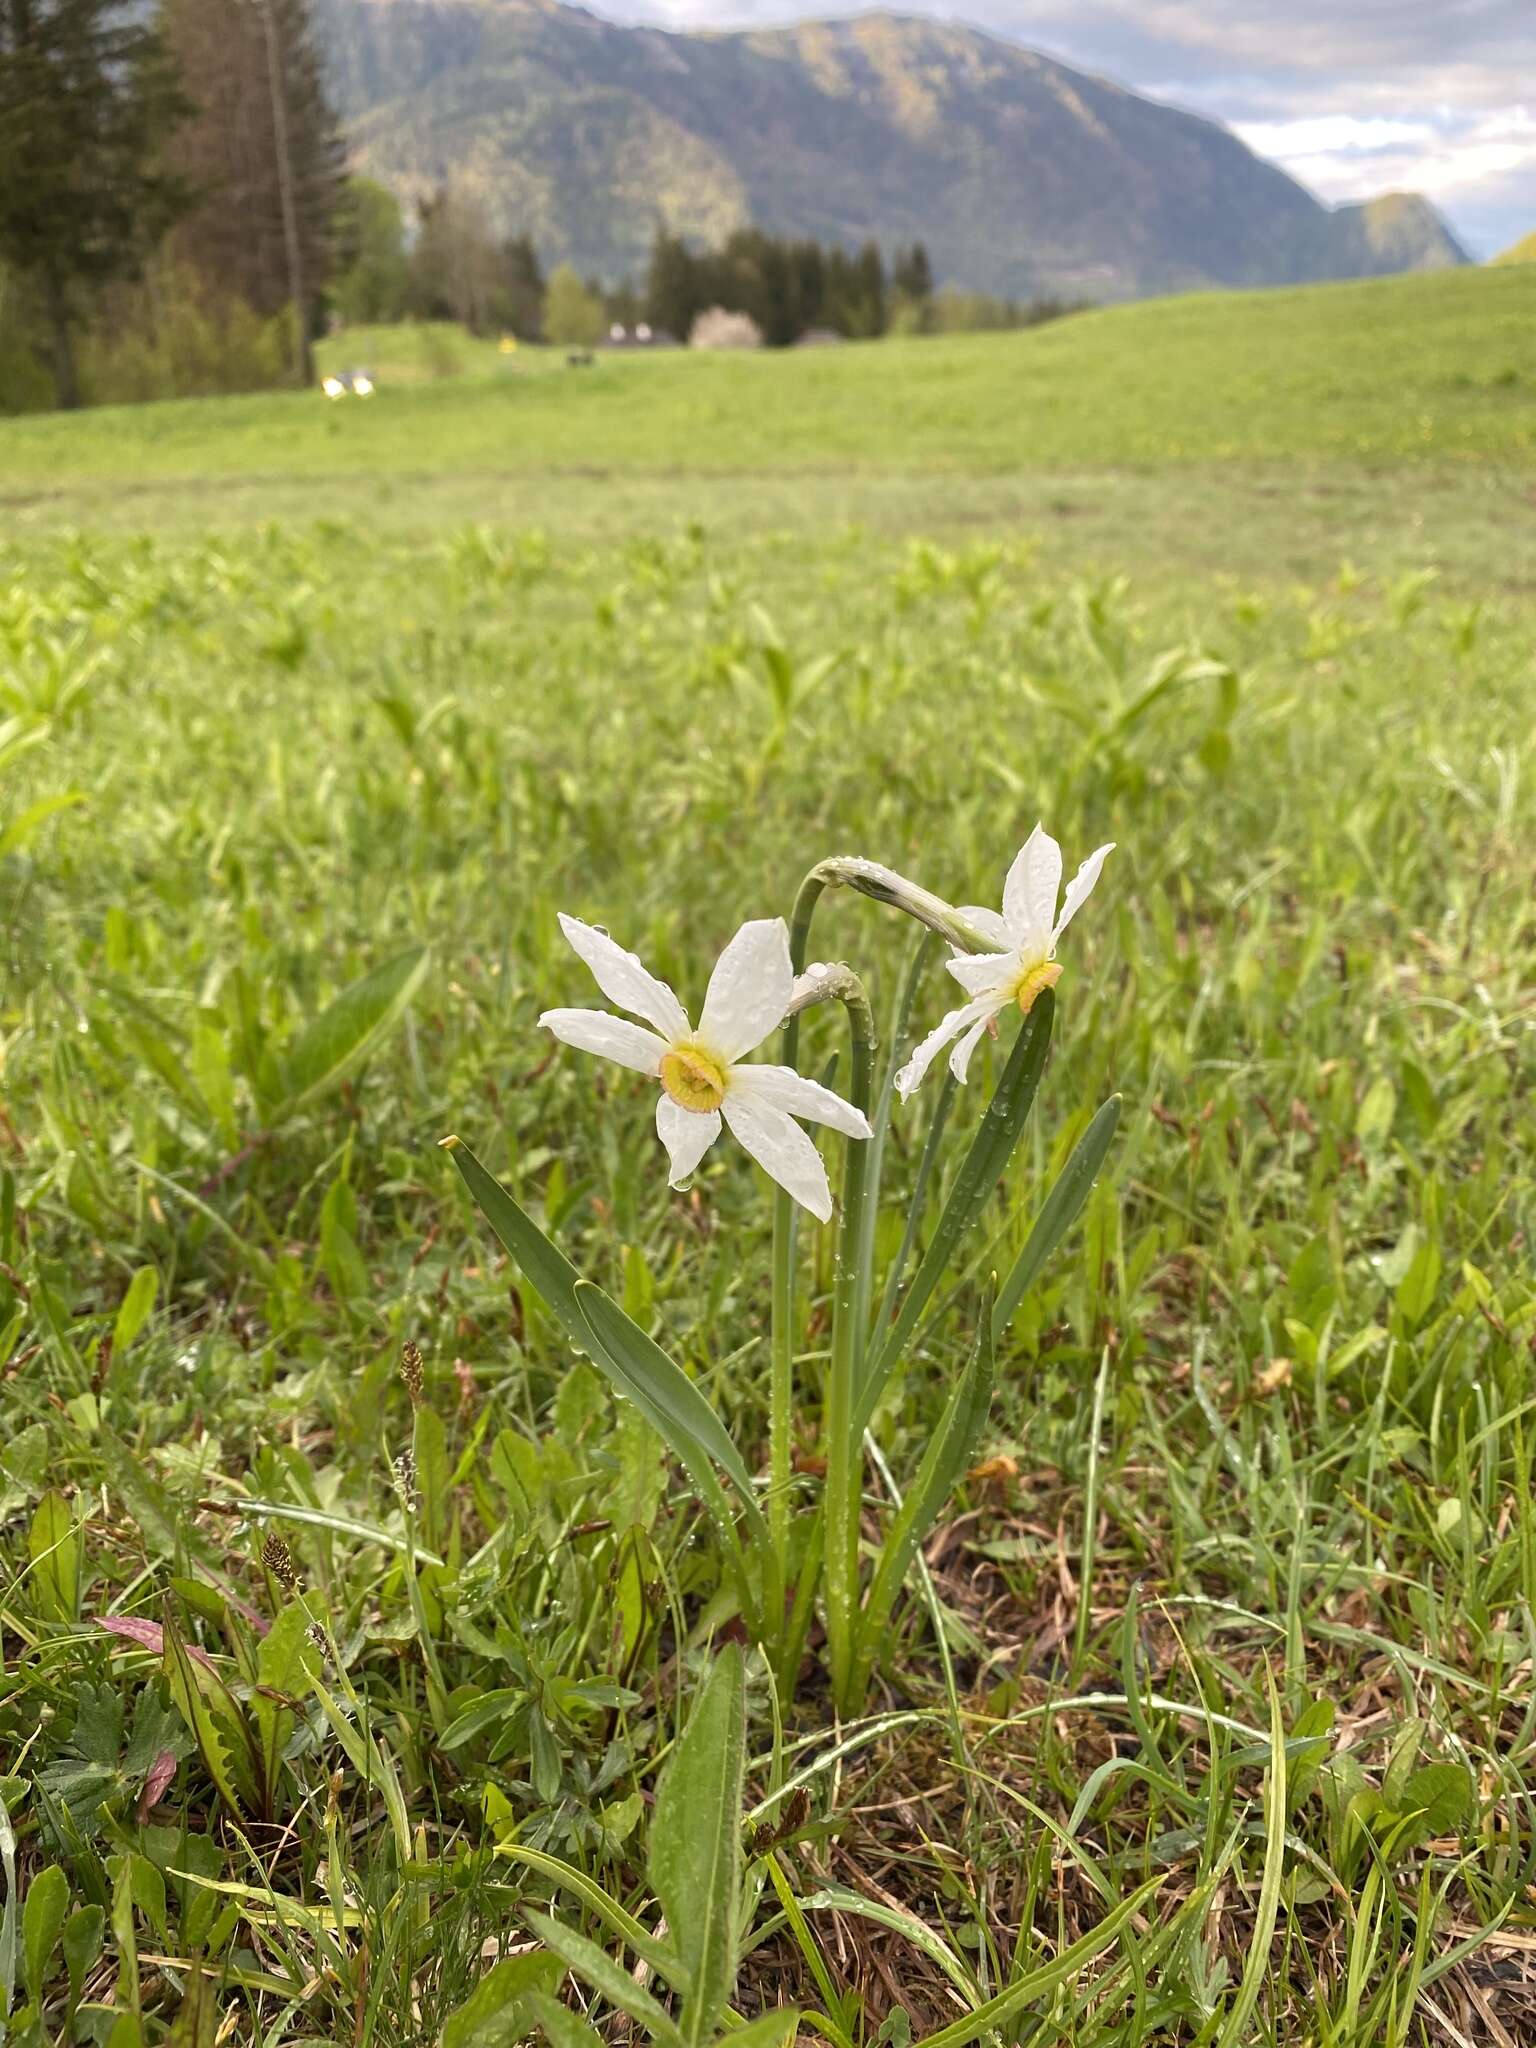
[1026, 932]
[702, 1080]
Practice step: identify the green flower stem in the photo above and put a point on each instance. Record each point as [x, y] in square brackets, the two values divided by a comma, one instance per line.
[781, 1396]
[849, 871]
[842, 1435]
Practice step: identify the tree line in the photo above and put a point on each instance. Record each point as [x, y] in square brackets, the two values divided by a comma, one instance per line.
[176, 216]
[172, 193]
[459, 268]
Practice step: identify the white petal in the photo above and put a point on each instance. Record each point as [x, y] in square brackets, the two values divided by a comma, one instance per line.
[623, 980]
[983, 974]
[782, 1088]
[782, 1150]
[960, 1058]
[749, 990]
[687, 1135]
[1029, 894]
[989, 922]
[947, 1028]
[613, 1038]
[1080, 888]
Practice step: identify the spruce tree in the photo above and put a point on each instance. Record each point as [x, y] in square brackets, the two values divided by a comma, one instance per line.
[88, 102]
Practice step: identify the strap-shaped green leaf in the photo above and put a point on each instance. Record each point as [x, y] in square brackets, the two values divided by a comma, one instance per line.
[664, 1394]
[662, 1390]
[1073, 1186]
[694, 1859]
[948, 1449]
[991, 1149]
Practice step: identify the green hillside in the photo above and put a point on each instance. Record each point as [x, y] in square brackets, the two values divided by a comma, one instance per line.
[1523, 251]
[1021, 175]
[1437, 369]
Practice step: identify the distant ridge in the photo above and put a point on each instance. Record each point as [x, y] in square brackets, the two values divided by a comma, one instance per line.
[1523, 251]
[1021, 175]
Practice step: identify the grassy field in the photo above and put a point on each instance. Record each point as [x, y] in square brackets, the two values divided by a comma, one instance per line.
[1206, 1715]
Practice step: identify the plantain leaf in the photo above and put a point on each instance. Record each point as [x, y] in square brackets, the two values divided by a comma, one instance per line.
[694, 1859]
[53, 1545]
[42, 1922]
[350, 1027]
[1062, 1206]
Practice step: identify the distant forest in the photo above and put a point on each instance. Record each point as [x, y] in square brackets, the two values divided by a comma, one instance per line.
[176, 218]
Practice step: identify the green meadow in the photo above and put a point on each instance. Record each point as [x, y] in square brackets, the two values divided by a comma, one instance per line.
[348, 1704]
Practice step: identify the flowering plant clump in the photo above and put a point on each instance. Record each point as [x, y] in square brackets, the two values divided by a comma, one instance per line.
[785, 1565]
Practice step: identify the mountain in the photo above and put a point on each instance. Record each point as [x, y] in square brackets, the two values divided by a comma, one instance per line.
[1523, 251]
[1020, 175]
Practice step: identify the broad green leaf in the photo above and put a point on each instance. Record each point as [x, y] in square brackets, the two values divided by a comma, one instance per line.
[607, 1977]
[694, 1858]
[53, 1545]
[1441, 1796]
[496, 2013]
[81, 1941]
[1062, 1205]
[350, 1027]
[42, 1921]
[135, 1308]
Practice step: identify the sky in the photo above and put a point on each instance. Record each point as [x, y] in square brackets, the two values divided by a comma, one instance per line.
[1353, 97]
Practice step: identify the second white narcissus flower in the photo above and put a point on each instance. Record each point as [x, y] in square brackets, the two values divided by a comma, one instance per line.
[700, 1071]
[1026, 933]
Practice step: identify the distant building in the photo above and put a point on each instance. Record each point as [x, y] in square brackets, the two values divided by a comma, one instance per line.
[818, 337]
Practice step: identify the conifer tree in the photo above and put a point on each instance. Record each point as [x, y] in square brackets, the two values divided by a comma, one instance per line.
[88, 103]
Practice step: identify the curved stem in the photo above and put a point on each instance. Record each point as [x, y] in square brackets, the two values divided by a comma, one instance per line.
[782, 1342]
[843, 1436]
